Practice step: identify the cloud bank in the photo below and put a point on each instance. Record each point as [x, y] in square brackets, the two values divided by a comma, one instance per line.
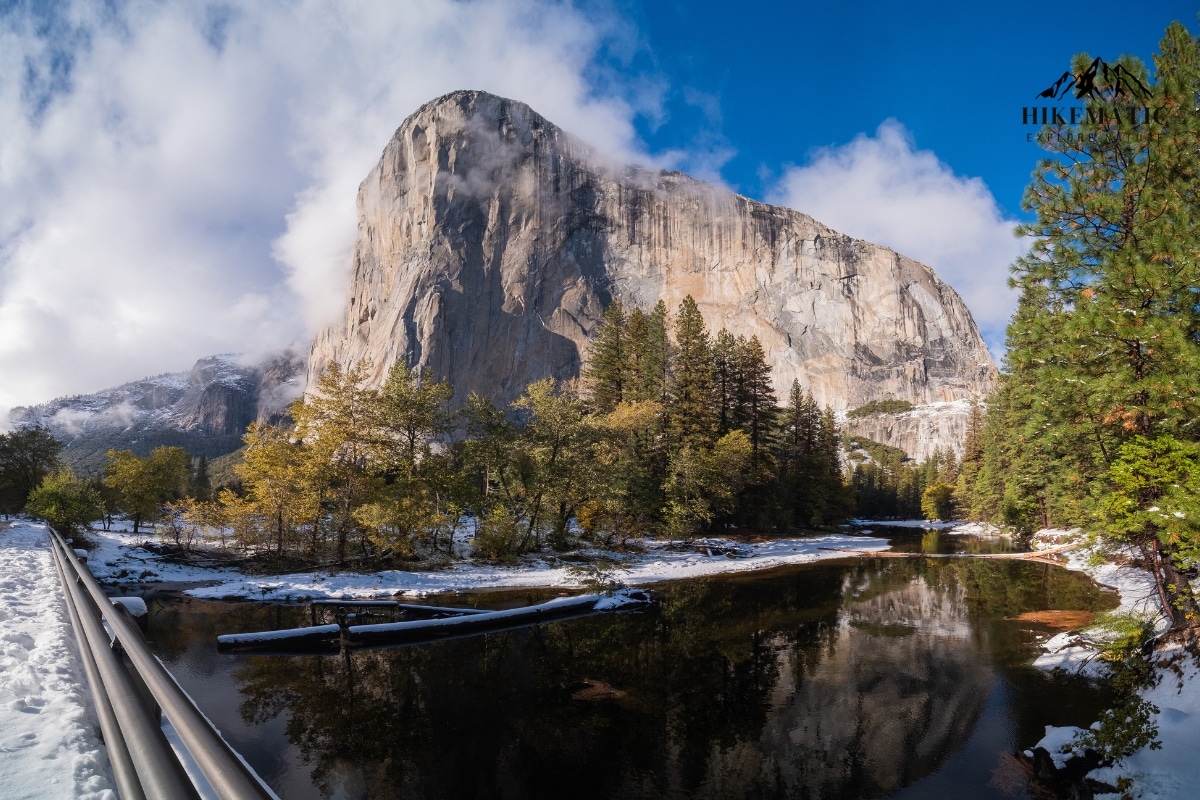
[883, 189]
[177, 178]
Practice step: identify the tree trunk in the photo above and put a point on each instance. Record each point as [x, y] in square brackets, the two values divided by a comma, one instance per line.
[1175, 590]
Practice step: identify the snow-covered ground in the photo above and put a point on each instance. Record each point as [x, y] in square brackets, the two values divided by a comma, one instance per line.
[1164, 774]
[49, 747]
[119, 559]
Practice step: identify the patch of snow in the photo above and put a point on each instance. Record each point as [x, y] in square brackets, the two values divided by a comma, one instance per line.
[1059, 743]
[1073, 653]
[51, 744]
[977, 529]
[134, 605]
[1174, 770]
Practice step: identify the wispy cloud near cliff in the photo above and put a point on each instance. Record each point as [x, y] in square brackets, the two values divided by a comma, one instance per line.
[883, 189]
[178, 178]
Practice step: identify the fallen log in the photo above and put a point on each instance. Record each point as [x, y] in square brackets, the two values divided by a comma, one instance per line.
[1028, 555]
[445, 622]
[316, 637]
[395, 632]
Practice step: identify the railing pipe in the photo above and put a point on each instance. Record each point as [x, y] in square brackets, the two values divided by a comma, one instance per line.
[227, 774]
[159, 772]
[124, 772]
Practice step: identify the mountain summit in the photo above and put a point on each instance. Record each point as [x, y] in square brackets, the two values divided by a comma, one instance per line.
[490, 241]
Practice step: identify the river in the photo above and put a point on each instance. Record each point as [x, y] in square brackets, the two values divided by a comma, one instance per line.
[864, 678]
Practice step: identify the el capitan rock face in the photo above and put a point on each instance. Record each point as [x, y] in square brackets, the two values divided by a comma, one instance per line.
[490, 241]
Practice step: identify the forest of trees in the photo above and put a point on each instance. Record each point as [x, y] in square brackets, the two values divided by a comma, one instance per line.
[1095, 422]
[671, 431]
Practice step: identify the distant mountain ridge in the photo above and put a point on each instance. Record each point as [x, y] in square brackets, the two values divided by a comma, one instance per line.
[205, 410]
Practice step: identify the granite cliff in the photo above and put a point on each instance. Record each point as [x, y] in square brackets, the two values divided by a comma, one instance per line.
[490, 241]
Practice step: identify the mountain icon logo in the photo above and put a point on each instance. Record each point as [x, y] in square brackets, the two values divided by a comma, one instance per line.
[1116, 78]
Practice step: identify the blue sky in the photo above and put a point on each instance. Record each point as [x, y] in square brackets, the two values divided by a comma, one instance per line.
[177, 177]
[775, 80]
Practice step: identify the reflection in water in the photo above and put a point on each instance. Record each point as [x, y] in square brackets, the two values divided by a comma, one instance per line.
[832, 681]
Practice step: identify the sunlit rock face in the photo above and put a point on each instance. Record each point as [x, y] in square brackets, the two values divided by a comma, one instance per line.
[918, 432]
[490, 241]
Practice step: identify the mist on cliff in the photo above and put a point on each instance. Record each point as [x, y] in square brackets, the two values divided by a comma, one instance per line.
[178, 178]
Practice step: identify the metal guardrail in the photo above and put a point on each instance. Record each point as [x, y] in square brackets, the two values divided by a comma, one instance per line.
[129, 685]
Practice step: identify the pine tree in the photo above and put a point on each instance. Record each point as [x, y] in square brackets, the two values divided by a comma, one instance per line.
[637, 347]
[201, 484]
[692, 407]
[1103, 353]
[608, 370]
[972, 460]
[805, 461]
[756, 399]
[727, 381]
[652, 354]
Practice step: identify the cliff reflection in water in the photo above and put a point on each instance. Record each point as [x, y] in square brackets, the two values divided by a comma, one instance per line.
[832, 681]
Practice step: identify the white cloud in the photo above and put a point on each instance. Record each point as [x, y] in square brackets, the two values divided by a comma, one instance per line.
[882, 189]
[177, 178]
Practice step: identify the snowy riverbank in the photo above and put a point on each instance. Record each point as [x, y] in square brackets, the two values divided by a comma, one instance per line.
[118, 559]
[1173, 771]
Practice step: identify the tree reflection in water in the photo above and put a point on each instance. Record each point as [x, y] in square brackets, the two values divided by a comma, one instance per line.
[832, 681]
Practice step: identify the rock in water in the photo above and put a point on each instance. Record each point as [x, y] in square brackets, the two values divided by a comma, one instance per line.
[490, 241]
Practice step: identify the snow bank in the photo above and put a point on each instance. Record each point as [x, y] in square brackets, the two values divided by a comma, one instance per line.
[51, 745]
[120, 560]
[1172, 771]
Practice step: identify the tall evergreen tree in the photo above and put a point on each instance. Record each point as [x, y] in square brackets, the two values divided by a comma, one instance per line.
[652, 354]
[609, 368]
[201, 484]
[1103, 357]
[692, 407]
[727, 381]
[756, 399]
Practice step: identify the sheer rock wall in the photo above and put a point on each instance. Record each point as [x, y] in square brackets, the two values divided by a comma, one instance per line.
[490, 241]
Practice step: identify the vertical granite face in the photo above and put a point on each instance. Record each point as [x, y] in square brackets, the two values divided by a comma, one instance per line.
[490, 242]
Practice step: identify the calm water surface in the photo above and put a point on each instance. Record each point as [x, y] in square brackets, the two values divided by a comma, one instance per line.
[863, 679]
